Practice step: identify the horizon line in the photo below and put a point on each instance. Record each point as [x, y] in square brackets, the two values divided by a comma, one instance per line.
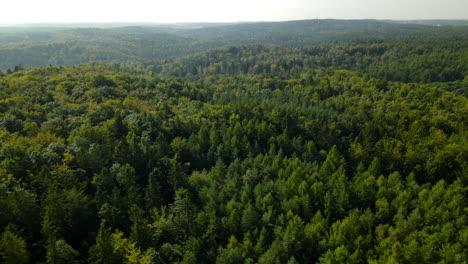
[226, 22]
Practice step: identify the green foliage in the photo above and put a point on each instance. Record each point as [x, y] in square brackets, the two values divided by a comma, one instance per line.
[59, 252]
[13, 248]
[440, 55]
[149, 44]
[103, 163]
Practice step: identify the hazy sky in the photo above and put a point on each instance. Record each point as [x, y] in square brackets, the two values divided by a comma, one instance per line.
[14, 11]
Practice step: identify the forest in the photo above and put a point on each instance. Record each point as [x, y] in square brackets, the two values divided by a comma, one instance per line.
[352, 148]
[56, 46]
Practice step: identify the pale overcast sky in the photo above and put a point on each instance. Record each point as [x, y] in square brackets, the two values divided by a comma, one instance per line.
[27, 11]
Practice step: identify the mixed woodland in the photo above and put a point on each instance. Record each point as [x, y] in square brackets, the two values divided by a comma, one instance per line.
[351, 148]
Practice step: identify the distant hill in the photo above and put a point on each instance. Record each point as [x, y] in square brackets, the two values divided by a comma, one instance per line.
[437, 55]
[71, 47]
[303, 32]
[147, 43]
[433, 22]
[290, 33]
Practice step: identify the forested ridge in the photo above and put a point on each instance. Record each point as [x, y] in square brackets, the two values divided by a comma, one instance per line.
[75, 46]
[32, 47]
[430, 56]
[351, 152]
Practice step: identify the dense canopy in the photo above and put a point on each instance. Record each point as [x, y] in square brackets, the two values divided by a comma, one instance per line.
[242, 154]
